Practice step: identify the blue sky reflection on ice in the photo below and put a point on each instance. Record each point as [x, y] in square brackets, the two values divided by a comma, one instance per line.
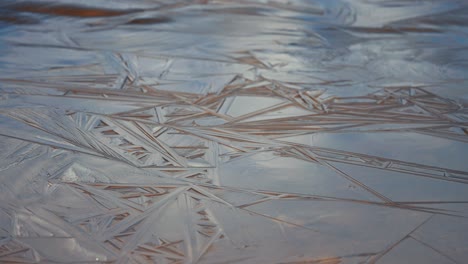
[200, 131]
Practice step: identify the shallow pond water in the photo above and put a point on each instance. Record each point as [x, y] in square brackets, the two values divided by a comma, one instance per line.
[206, 131]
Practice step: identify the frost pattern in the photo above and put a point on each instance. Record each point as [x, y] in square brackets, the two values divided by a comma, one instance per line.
[233, 131]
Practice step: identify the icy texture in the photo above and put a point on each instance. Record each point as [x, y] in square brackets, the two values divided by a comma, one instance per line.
[205, 131]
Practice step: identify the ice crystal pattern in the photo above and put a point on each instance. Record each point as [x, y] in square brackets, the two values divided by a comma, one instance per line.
[233, 132]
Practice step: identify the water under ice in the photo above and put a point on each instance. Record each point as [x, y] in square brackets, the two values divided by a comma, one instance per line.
[234, 131]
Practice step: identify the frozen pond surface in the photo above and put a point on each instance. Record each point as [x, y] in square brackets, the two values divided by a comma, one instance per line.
[146, 131]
